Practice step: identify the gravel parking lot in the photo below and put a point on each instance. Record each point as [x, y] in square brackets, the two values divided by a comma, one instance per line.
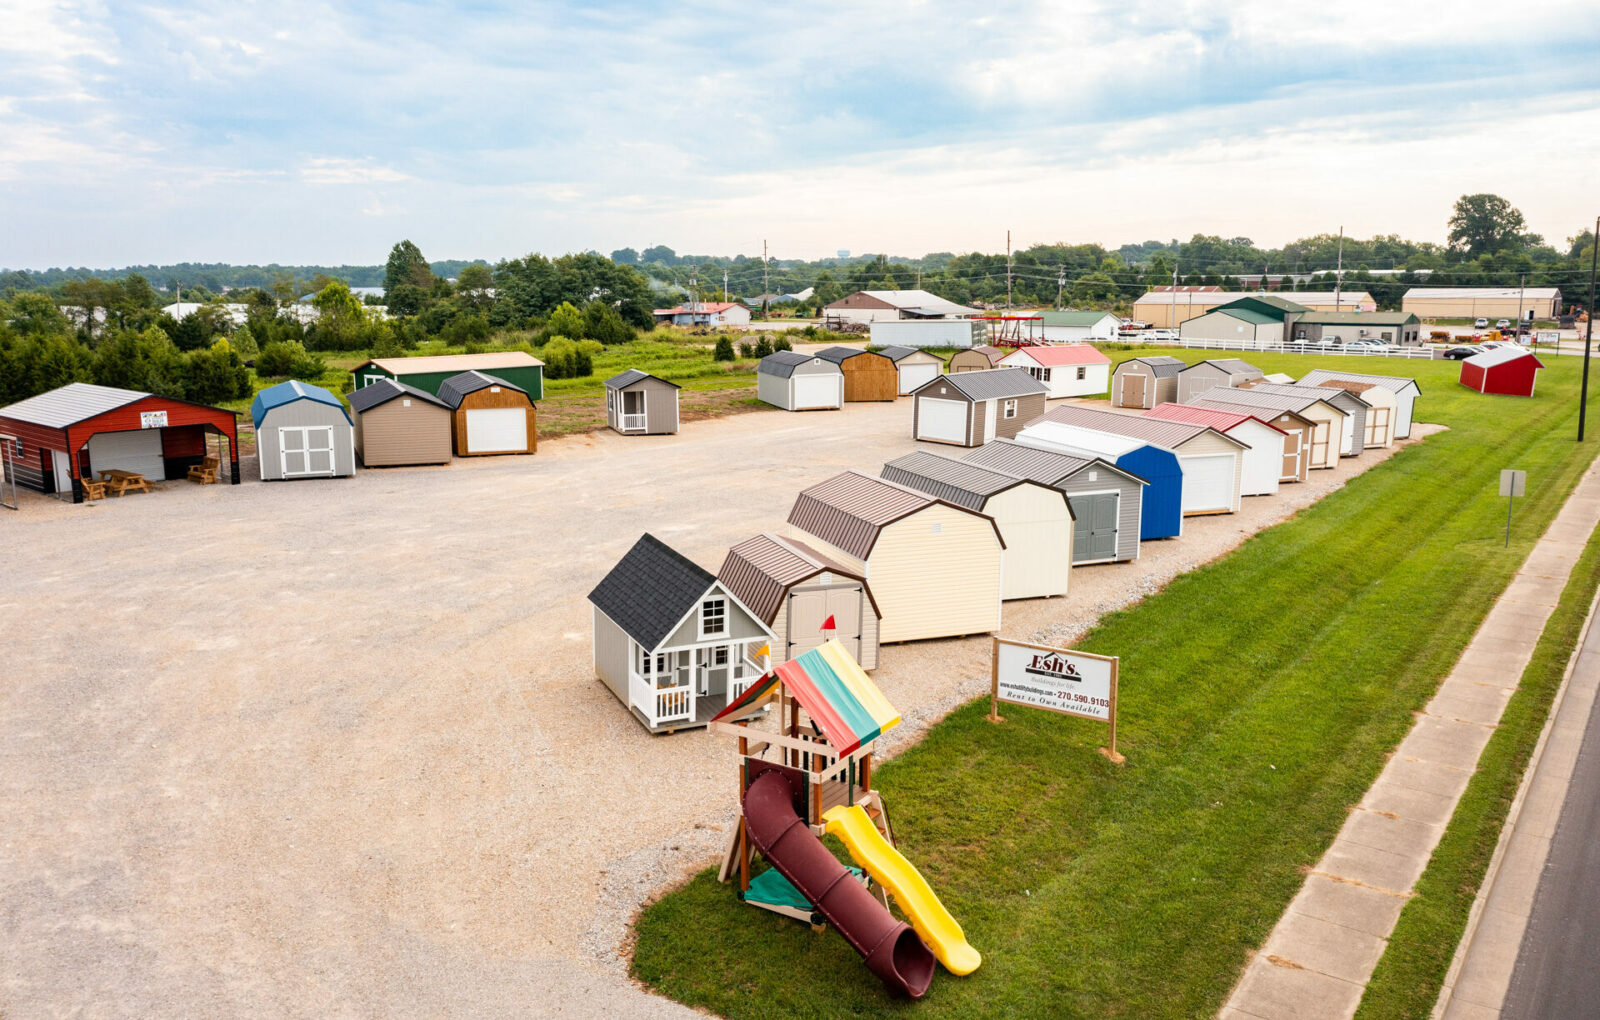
[335, 747]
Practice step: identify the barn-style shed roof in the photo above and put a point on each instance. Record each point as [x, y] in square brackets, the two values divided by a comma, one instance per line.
[760, 570]
[897, 353]
[840, 355]
[288, 393]
[1160, 365]
[850, 510]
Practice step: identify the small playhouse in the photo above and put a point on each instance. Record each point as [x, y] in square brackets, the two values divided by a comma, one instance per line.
[1508, 371]
[302, 431]
[491, 415]
[809, 776]
[640, 404]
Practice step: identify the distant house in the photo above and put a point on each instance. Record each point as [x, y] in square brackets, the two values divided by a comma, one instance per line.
[1256, 320]
[705, 313]
[871, 305]
[1067, 327]
[1067, 370]
[1343, 327]
[1167, 308]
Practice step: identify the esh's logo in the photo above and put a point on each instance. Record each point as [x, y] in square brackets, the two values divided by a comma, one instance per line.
[1054, 667]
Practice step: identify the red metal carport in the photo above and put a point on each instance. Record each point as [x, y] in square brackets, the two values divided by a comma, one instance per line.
[55, 430]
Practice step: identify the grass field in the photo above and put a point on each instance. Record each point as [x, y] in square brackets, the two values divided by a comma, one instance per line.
[1259, 697]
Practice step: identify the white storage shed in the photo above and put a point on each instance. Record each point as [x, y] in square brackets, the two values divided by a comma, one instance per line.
[800, 382]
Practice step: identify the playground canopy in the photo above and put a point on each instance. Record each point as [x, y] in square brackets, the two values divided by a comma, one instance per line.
[838, 696]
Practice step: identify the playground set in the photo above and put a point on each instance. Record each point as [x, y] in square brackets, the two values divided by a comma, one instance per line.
[819, 781]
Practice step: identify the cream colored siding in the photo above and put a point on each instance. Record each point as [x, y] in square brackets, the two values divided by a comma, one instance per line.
[393, 433]
[1037, 527]
[1261, 466]
[869, 635]
[1329, 421]
[930, 585]
[1210, 443]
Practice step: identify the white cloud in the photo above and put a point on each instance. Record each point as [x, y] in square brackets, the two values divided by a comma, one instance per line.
[340, 170]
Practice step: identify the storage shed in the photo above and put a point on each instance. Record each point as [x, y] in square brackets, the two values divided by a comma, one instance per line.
[976, 359]
[974, 407]
[1327, 422]
[935, 568]
[1406, 391]
[1508, 371]
[914, 366]
[640, 404]
[74, 432]
[1072, 327]
[1205, 375]
[1146, 382]
[1034, 519]
[491, 416]
[1106, 501]
[1271, 454]
[1212, 462]
[1380, 412]
[1160, 506]
[868, 375]
[1067, 370]
[1355, 410]
[427, 373]
[302, 431]
[800, 382]
[398, 425]
[672, 643]
[803, 596]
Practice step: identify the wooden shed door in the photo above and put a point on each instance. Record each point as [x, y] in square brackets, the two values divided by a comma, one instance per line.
[1377, 426]
[1132, 389]
[1319, 444]
[1094, 534]
[1291, 455]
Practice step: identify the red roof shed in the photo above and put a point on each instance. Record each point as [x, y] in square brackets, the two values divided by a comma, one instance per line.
[72, 432]
[1505, 370]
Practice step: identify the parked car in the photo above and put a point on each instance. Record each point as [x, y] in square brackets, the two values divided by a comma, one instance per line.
[1462, 353]
[1159, 334]
[1480, 323]
[1502, 324]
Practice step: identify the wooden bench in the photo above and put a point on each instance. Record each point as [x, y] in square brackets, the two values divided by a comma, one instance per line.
[205, 472]
[93, 490]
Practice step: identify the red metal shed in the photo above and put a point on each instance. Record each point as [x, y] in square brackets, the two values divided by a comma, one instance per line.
[70, 433]
[1505, 370]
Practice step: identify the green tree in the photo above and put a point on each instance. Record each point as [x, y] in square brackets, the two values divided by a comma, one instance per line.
[407, 266]
[1482, 224]
[340, 318]
[216, 374]
[140, 361]
[602, 322]
[244, 341]
[724, 350]
[565, 321]
[404, 299]
[286, 358]
[34, 314]
[625, 257]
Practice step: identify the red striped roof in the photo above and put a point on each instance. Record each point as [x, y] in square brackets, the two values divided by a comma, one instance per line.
[1222, 421]
[1062, 354]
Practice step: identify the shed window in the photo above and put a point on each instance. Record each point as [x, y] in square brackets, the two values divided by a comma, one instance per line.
[1010, 410]
[713, 618]
[719, 655]
[1041, 374]
[936, 528]
[825, 578]
[1083, 372]
[405, 401]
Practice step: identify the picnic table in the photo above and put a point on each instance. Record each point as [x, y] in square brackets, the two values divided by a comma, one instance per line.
[119, 481]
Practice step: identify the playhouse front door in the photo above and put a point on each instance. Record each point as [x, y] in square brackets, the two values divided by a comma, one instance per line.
[711, 670]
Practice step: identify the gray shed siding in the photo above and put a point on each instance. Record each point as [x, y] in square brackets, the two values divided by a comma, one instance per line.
[1196, 379]
[1156, 390]
[613, 651]
[660, 407]
[740, 626]
[304, 413]
[1127, 506]
[779, 391]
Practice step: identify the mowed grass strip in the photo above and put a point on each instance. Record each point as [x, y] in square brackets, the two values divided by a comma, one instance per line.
[1407, 980]
[1259, 697]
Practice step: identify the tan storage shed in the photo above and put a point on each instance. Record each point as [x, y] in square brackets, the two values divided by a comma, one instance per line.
[976, 359]
[640, 404]
[1327, 421]
[915, 366]
[1034, 519]
[491, 416]
[796, 591]
[1381, 411]
[1145, 382]
[398, 425]
[935, 568]
[1204, 375]
[868, 376]
[974, 407]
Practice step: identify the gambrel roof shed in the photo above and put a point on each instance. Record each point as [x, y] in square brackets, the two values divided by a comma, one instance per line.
[850, 510]
[759, 572]
[456, 388]
[960, 482]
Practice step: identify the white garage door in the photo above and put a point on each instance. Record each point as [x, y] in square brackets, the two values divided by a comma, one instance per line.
[128, 451]
[818, 391]
[944, 420]
[497, 430]
[912, 376]
[1207, 482]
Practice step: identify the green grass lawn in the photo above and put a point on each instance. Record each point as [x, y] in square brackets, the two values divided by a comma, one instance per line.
[1259, 697]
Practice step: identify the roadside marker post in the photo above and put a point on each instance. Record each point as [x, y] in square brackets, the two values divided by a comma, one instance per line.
[1512, 484]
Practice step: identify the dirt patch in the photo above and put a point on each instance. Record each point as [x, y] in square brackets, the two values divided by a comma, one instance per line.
[579, 413]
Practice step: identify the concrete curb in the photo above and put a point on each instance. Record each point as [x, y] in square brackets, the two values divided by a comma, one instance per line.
[1508, 829]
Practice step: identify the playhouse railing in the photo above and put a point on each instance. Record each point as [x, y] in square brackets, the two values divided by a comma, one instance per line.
[660, 704]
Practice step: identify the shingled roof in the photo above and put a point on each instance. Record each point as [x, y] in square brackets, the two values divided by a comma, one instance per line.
[650, 590]
[382, 391]
[993, 384]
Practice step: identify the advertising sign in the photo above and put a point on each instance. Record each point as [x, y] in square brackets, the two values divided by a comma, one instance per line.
[152, 419]
[1056, 680]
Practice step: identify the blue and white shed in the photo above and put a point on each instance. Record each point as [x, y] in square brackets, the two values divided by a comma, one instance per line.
[302, 431]
[1161, 505]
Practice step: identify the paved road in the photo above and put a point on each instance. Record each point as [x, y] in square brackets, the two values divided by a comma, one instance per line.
[1555, 975]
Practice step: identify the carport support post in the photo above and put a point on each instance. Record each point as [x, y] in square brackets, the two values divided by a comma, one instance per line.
[233, 459]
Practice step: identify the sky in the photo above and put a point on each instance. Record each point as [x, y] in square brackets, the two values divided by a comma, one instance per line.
[323, 132]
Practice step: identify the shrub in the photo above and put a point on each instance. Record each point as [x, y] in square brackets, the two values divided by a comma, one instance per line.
[763, 347]
[565, 358]
[781, 344]
[216, 374]
[724, 350]
[286, 358]
[747, 350]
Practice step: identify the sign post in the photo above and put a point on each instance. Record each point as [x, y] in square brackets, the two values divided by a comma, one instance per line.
[1057, 680]
[1511, 486]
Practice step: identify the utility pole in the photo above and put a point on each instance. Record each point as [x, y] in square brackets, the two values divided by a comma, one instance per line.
[1061, 283]
[694, 293]
[766, 285]
[1338, 276]
[724, 286]
[1522, 288]
[1588, 336]
[1008, 270]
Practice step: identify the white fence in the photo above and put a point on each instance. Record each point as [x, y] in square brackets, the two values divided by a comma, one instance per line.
[1425, 353]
